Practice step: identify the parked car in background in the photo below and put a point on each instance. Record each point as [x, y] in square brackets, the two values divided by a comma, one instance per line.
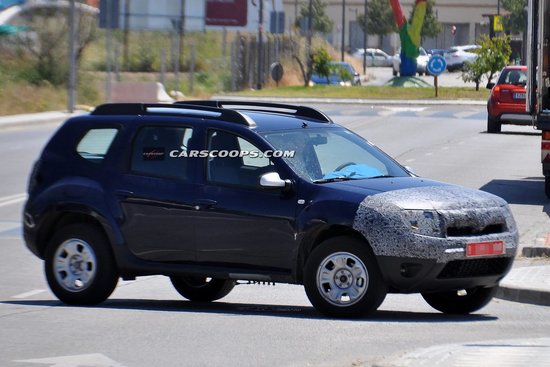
[437, 51]
[343, 74]
[506, 104]
[375, 57]
[421, 61]
[456, 56]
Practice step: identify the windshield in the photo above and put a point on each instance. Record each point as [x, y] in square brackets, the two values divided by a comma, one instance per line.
[513, 76]
[335, 154]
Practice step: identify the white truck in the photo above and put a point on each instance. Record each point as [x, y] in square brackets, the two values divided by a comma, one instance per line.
[538, 85]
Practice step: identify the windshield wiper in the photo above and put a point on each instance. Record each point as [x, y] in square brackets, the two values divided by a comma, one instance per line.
[380, 176]
[334, 179]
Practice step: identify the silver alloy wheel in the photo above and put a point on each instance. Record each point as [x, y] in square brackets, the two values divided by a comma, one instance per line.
[74, 265]
[342, 279]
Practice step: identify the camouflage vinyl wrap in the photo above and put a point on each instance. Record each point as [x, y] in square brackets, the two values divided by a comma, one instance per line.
[435, 222]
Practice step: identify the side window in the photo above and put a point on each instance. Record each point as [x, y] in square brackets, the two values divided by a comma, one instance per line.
[234, 160]
[95, 144]
[162, 152]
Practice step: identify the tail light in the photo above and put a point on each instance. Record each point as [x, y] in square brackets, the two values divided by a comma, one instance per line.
[545, 147]
[496, 92]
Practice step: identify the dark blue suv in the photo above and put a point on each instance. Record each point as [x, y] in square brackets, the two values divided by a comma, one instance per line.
[210, 192]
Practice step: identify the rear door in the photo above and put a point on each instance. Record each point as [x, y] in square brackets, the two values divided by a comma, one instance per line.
[157, 195]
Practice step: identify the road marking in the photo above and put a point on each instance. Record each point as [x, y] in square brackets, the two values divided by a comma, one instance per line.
[95, 359]
[12, 199]
[28, 294]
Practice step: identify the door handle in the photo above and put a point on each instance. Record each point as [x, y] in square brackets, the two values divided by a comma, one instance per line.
[203, 204]
[124, 193]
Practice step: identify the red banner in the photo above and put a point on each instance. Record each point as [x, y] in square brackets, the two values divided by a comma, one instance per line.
[229, 13]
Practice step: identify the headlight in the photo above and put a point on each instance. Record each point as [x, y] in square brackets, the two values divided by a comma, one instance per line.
[423, 222]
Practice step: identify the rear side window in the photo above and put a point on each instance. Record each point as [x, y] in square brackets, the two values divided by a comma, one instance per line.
[95, 144]
[162, 152]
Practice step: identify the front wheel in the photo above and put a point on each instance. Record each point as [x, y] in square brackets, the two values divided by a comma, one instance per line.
[458, 302]
[342, 278]
[79, 265]
[202, 289]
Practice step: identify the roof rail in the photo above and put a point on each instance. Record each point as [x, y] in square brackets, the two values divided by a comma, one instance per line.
[300, 111]
[204, 111]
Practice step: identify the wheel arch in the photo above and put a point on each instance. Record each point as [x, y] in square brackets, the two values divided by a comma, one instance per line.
[314, 239]
[58, 219]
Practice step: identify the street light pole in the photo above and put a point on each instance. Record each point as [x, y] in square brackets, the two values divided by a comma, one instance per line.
[343, 29]
[260, 45]
[72, 58]
[365, 41]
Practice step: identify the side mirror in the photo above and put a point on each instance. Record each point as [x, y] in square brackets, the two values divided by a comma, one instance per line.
[490, 85]
[272, 180]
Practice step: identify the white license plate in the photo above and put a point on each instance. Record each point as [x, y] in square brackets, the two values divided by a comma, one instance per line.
[519, 95]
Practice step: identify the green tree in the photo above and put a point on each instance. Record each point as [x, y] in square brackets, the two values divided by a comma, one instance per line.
[492, 57]
[321, 62]
[46, 42]
[379, 19]
[320, 20]
[516, 19]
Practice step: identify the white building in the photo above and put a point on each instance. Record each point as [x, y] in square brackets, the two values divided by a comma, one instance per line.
[466, 15]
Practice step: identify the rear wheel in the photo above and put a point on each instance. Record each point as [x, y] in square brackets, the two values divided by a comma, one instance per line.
[456, 302]
[79, 265]
[202, 289]
[342, 278]
[493, 125]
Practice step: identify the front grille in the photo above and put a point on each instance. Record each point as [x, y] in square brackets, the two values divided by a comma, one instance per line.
[475, 268]
[471, 231]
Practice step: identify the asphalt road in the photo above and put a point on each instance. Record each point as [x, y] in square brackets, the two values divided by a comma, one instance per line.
[146, 323]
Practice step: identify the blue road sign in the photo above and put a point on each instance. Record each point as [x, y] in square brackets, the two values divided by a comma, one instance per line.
[436, 65]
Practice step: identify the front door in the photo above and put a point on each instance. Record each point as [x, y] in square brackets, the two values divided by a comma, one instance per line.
[239, 222]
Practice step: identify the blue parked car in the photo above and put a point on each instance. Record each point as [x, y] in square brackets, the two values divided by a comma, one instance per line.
[343, 74]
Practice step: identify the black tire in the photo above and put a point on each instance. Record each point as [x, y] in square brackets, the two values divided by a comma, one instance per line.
[452, 303]
[493, 125]
[202, 289]
[79, 265]
[367, 281]
[547, 186]
[394, 72]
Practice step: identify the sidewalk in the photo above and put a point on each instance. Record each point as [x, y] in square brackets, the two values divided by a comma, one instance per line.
[527, 282]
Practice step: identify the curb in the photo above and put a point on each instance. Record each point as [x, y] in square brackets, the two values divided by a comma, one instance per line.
[535, 252]
[349, 101]
[522, 295]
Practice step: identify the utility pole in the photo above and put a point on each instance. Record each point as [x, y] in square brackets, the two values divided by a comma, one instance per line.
[72, 58]
[260, 45]
[343, 29]
[365, 41]
[309, 61]
[125, 57]
[178, 59]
